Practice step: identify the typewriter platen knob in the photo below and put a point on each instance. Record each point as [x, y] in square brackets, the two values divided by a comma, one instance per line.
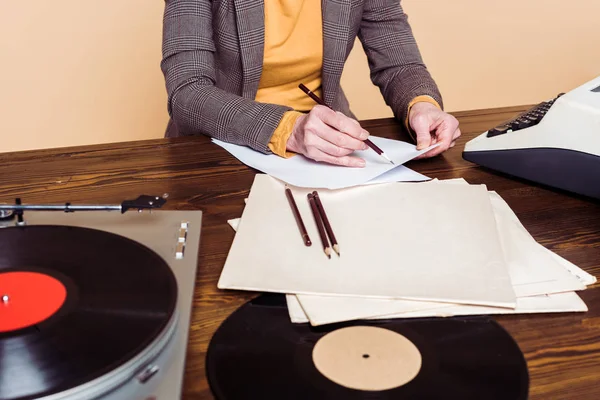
[499, 130]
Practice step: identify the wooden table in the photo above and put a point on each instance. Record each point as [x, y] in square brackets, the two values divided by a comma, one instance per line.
[562, 350]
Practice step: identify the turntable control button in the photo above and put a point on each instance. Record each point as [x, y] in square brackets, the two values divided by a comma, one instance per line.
[179, 250]
[182, 235]
[148, 373]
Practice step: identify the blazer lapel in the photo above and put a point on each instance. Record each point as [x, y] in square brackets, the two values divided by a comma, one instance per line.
[336, 17]
[250, 21]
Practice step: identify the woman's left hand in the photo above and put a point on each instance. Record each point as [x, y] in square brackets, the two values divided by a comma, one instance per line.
[432, 125]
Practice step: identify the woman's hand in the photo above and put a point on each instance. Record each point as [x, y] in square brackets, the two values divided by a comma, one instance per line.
[328, 136]
[432, 125]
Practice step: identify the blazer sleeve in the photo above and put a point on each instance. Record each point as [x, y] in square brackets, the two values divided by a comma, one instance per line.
[195, 103]
[394, 58]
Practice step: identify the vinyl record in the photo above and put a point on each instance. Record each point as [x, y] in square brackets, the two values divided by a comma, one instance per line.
[259, 353]
[75, 303]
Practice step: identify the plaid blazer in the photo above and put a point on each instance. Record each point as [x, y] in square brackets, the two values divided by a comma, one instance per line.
[213, 54]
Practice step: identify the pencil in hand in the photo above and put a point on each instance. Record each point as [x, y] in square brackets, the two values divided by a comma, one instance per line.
[318, 100]
[332, 239]
[319, 222]
[297, 216]
[313, 96]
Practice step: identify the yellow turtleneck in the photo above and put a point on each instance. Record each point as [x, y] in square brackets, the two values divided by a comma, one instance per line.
[293, 54]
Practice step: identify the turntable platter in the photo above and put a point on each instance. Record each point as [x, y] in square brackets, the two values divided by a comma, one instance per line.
[120, 296]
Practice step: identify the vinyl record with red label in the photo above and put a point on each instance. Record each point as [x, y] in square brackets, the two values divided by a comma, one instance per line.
[258, 353]
[75, 304]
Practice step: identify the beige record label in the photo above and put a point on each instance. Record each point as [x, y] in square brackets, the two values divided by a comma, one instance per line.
[367, 358]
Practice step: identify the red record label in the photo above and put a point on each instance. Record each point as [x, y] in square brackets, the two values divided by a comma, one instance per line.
[28, 298]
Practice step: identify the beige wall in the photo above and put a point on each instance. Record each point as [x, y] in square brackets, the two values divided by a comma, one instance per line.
[78, 72]
[493, 53]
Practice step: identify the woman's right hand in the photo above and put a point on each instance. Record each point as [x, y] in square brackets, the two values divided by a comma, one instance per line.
[328, 136]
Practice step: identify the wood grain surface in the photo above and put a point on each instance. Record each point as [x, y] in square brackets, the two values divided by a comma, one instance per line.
[562, 350]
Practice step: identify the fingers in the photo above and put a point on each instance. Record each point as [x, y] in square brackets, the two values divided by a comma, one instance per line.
[345, 161]
[457, 134]
[421, 124]
[318, 143]
[321, 150]
[439, 149]
[323, 142]
[340, 140]
[454, 137]
[446, 133]
[344, 125]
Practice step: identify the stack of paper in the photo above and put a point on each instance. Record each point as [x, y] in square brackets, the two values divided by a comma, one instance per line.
[302, 172]
[440, 248]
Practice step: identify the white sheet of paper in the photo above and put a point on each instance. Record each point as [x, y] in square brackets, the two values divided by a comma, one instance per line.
[553, 303]
[399, 174]
[328, 309]
[234, 223]
[534, 270]
[584, 277]
[322, 310]
[507, 213]
[388, 238]
[297, 314]
[303, 172]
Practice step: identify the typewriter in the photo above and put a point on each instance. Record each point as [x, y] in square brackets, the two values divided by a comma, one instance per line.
[556, 143]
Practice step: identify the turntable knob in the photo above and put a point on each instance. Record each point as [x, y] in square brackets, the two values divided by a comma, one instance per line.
[181, 238]
[179, 250]
[148, 373]
[182, 235]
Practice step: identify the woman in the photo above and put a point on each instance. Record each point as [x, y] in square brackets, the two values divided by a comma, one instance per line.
[232, 69]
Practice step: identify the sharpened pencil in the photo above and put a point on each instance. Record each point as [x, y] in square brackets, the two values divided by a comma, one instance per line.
[332, 239]
[318, 100]
[319, 222]
[297, 217]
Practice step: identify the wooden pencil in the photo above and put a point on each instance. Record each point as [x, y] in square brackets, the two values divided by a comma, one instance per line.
[319, 222]
[297, 217]
[332, 239]
[313, 96]
[318, 100]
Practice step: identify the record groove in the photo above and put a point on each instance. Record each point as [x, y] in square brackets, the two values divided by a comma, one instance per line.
[259, 353]
[120, 297]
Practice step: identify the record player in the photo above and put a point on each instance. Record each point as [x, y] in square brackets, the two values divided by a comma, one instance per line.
[111, 294]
